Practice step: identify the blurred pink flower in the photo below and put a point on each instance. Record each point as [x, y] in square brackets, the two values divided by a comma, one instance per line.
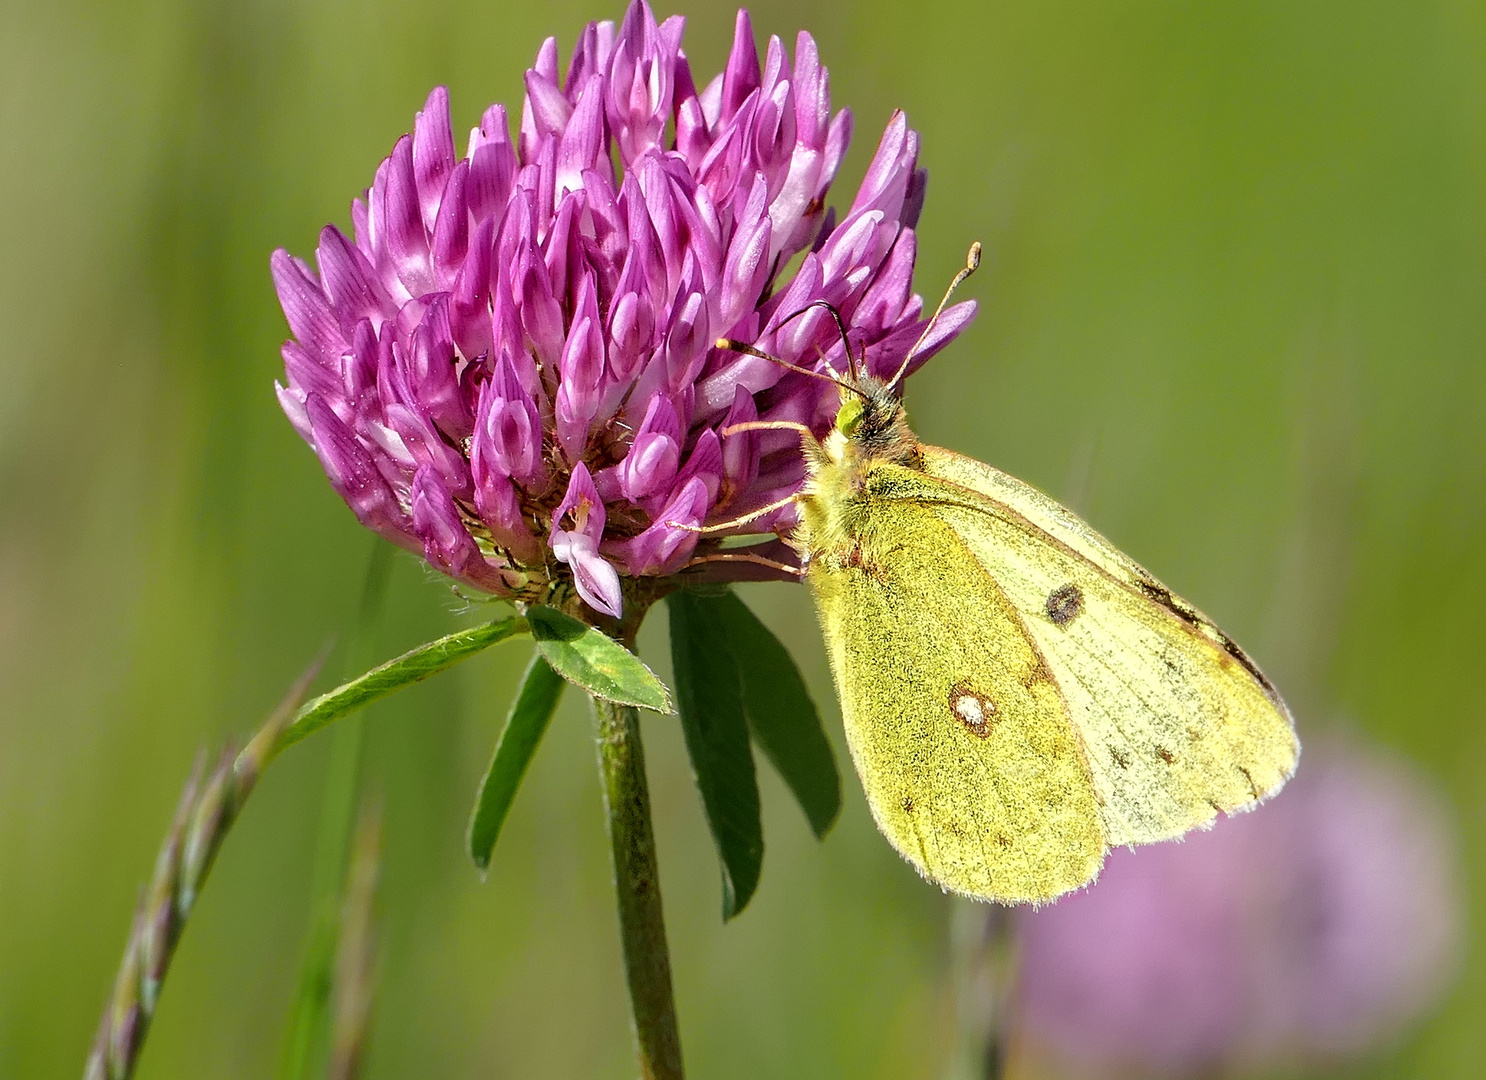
[511, 368]
[1315, 926]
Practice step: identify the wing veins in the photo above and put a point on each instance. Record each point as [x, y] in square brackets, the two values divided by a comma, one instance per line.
[1052, 677]
[1130, 687]
[894, 600]
[981, 503]
[1022, 622]
[997, 779]
[1094, 698]
[1017, 520]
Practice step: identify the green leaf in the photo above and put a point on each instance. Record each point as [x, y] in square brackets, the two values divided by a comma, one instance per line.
[410, 667]
[541, 688]
[710, 695]
[589, 658]
[780, 713]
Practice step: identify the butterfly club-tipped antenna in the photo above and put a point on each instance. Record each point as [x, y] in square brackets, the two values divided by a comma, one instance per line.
[972, 262]
[853, 370]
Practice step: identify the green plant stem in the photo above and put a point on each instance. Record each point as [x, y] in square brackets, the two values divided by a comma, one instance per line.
[642, 928]
[982, 967]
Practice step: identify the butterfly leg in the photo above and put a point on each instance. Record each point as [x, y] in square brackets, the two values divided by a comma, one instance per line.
[724, 526]
[744, 557]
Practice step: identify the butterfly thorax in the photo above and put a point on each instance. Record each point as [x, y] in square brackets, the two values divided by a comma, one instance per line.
[871, 430]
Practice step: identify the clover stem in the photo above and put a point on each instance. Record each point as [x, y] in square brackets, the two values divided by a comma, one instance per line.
[642, 928]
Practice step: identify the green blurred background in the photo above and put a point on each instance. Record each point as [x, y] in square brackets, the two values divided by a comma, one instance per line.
[1234, 311]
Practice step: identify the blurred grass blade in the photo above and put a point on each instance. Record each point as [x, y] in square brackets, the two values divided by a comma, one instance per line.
[780, 714]
[711, 705]
[308, 1034]
[356, 948]
[541, 689]
[413, 666]
[203, 818]
[589, 658]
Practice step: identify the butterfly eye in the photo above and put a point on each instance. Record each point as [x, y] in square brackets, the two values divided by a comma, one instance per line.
[850, 416]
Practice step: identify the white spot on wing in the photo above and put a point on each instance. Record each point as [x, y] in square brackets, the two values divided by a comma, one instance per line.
[976, 711]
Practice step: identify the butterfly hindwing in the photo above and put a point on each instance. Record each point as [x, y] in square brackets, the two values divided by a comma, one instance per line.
[1176, 722]
[961, 738]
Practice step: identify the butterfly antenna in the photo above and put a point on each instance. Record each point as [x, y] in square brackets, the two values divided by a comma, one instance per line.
[751, 350]
[972, 261]
[851, 361]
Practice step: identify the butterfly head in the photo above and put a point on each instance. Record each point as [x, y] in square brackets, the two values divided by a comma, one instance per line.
[871, 425]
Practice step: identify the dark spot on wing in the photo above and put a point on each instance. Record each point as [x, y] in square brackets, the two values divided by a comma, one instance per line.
[1253, 787]
[1121, 758]
[1064, 604]
[1165, 755]
[908, 804]
[1002, 840]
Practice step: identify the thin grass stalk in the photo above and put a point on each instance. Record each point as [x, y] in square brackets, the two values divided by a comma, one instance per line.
[202, 820]
[354, 986]
[308, 1034]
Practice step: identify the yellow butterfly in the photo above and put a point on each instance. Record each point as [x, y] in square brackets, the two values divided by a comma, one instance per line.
[1019, 696]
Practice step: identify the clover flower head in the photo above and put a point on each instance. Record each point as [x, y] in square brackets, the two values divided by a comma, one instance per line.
[512, 368]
